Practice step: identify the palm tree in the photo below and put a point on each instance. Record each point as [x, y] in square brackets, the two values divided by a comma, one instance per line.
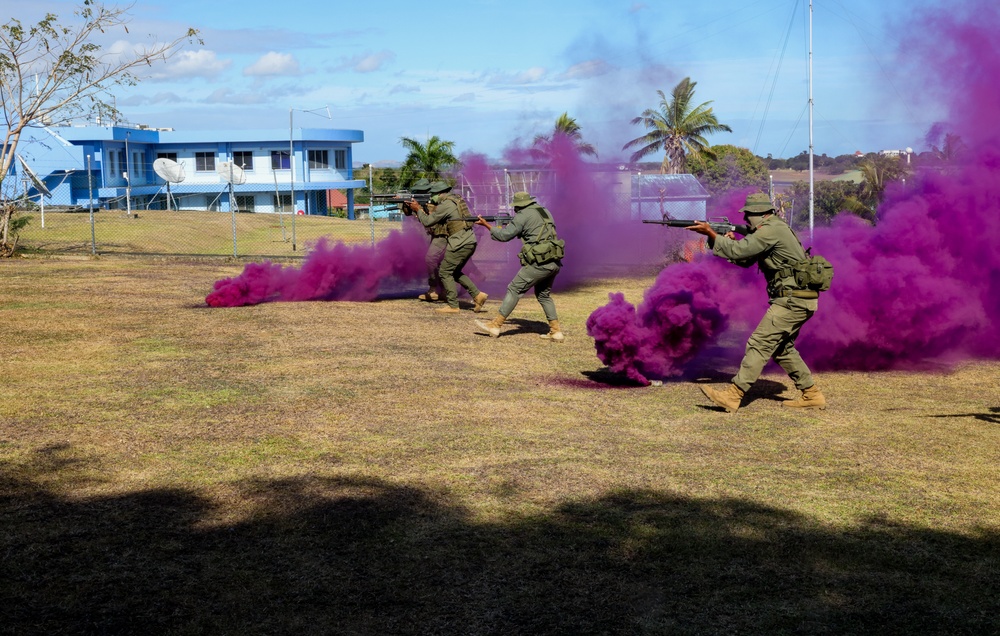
[429, 160]
[951, 150]
[676, 128]
[566, 136]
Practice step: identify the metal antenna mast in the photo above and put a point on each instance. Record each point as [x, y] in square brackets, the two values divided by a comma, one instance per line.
[811, 185]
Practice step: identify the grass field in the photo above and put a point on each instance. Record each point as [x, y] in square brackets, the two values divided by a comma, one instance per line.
[191, 233]
[374, 468]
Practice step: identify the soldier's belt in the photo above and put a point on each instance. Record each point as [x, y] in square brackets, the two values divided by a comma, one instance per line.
[800, 293]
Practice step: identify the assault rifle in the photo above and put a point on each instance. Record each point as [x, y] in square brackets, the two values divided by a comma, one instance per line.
[398, 200]
[720, 227]
[400, 197]
[501, 219]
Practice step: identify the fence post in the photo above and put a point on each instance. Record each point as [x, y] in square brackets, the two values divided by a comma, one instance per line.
[90, 200]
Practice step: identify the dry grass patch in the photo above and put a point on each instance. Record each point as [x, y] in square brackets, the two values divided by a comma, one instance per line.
[377, 468]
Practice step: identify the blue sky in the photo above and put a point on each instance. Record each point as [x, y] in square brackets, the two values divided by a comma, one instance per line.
[488, 73]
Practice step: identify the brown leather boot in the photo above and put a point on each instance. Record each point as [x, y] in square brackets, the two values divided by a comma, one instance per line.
[492, 327]
[479, 301]
[554, 333]
[811, 398]
[728, 398]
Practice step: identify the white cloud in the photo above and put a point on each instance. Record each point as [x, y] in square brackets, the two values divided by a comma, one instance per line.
[465, 97]
[188, 64]
[273, 63]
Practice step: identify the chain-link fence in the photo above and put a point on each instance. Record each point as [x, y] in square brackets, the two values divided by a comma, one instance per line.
[152, 224]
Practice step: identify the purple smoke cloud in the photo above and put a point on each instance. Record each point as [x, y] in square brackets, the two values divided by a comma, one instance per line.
[330, 272]
[918, 289]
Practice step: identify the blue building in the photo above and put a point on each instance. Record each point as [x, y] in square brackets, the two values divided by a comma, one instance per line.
[112, 167]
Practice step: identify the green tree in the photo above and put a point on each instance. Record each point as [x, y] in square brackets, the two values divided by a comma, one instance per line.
[53, 72]
[430, 160]
[728, 168]
[566, 138]
[830, 198]
[678, 128]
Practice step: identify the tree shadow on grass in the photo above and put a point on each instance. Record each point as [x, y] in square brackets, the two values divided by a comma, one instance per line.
[364, 556]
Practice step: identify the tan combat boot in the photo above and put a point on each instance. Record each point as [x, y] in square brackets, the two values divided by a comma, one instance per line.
[492, 327]
[728, 398]
[448, 309]
[554, 333]
[811, 399]
[429, 297]
[479, 301]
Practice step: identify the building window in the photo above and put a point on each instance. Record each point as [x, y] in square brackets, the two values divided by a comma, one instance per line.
[138, 165]
[279, 160]
[243, 159]
[244, 203]
[340, 157]
[116, 163]
[284, 202]
[319, 160]
[167, 155]
[204, 161]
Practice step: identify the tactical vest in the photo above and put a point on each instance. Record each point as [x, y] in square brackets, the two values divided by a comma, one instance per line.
[549, 248]
[454, 226]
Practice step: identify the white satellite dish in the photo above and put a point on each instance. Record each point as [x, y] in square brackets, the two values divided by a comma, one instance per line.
[169, 170]
[231, 173]
[39, 184]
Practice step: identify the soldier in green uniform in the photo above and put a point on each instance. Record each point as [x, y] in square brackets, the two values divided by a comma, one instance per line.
[541, 259]
[450, 210]
[772, 246]
[438, 233]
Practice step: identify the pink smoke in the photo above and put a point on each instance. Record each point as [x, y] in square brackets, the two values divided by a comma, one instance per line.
[920, 288]
[330, 272]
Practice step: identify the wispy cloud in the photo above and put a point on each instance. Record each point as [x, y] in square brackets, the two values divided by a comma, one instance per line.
[273, 63]
[366, 62]
[465, 97]
[588, 69]
[191, 64]
[528, 76]
[404, 88]
[227, 95]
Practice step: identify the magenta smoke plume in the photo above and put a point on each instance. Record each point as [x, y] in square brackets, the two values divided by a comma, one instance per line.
[330, 272]
[919, 288]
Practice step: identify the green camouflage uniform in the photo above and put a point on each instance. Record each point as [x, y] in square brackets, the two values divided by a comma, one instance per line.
[530, 226]
[773, 246]
[435, 251]
[460, 245]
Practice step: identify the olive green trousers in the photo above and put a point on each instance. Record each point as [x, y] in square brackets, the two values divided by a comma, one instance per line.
[774, 338]
[451, 272]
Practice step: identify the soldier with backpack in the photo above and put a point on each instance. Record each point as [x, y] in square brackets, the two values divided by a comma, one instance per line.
[541, 259]
[794, 280]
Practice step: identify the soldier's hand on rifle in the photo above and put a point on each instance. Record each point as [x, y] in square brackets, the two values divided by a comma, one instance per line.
[481, 221]
[703, 227]
[413, 206]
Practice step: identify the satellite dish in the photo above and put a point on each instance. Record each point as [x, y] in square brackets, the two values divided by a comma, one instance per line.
[39, 185]
[232, 173]
[169, 170]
